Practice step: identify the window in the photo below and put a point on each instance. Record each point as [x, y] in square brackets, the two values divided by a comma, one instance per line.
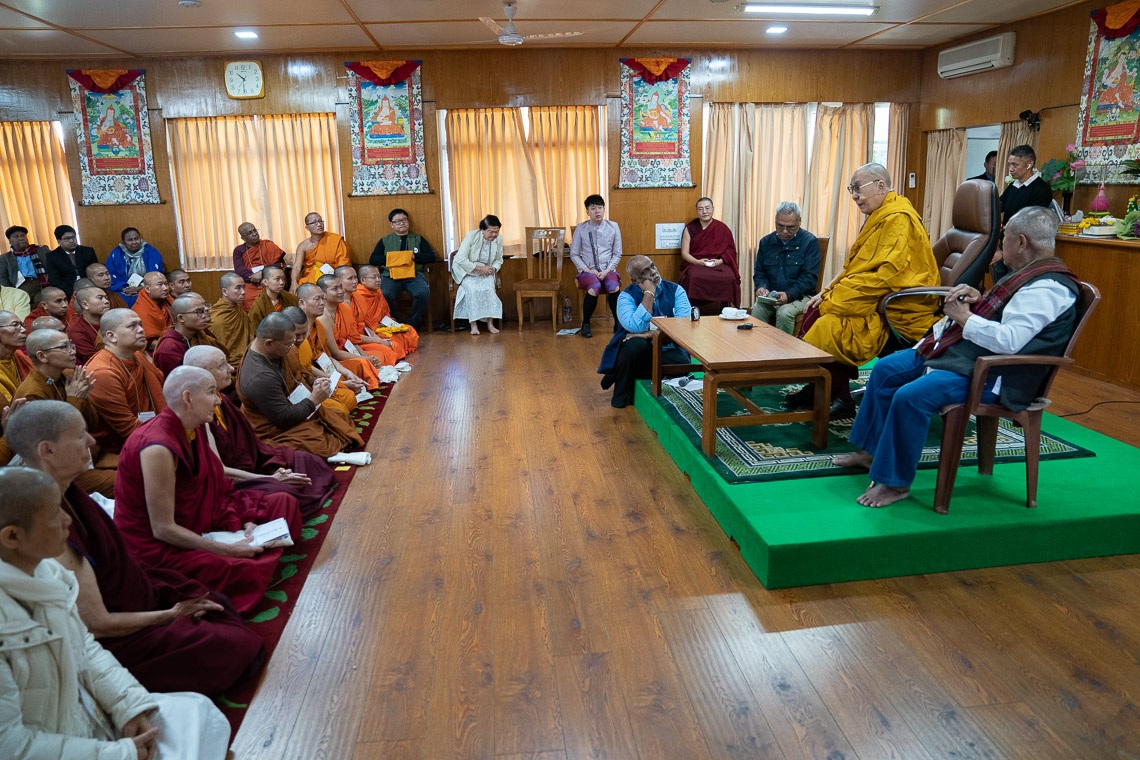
[268, 170]
[35, 191]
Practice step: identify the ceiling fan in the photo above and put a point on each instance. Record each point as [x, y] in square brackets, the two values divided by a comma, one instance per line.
[509, 35]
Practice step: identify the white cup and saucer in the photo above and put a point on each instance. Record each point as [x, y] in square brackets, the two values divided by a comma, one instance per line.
[733, 315]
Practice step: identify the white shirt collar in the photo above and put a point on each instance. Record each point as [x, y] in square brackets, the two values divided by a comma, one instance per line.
[1019, 183]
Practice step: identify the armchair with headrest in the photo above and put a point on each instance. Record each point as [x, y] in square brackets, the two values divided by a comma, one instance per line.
[964, 253]
[955, 416]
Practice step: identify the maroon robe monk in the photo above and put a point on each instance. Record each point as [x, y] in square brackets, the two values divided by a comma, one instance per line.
[204, 500]
[241, 449]
[206, 655]
[710, 240]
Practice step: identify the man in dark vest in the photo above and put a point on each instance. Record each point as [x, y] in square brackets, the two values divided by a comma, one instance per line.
[629, 354]
[1032, 310]
[401, 258]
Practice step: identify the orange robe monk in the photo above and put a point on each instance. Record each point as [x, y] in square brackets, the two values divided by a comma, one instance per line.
[12, 372]
[331, 250]
[116, 300]
[156, 317]
[123, 390]
[361, 367]
[300, 361]
[262, 306]
[345, 329]
[264, 253]
[230, 325]
[33, 315]
[370, 307]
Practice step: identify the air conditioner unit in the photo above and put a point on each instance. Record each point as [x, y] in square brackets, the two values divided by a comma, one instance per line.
[981, 55]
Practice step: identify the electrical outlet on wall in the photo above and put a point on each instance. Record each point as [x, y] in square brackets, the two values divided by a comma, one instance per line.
[911, 181]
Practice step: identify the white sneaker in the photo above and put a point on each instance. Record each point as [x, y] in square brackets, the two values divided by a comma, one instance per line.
[403, 367]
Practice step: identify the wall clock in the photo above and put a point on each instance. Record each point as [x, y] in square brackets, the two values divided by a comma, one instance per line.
[244, 80]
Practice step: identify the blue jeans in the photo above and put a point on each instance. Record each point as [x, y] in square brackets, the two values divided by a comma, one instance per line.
[894, 417]
[419, 290]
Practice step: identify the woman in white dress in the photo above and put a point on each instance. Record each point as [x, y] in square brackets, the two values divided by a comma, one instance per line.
[478, 259]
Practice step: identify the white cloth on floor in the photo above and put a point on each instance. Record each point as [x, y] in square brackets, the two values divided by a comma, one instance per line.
[358, 458]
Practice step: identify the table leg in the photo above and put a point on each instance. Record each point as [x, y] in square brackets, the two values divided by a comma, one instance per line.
[708, 414]
[822, 410]
[656, 363]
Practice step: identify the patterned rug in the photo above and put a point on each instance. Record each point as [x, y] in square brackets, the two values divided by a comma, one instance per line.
[761, 453]
[273, 613]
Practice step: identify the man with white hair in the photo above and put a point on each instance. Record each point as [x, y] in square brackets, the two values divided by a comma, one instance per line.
[172, 489]
[786, 272]
[1029, 311]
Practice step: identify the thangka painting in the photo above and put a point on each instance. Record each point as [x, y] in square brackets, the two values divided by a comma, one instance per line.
[385, 110]
[115, 160]
[655, 123]
[1108, 124]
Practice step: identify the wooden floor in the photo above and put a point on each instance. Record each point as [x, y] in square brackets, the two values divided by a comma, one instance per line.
[523, 573]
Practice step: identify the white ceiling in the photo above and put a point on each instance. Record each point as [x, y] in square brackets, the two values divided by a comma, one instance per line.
[118, 28]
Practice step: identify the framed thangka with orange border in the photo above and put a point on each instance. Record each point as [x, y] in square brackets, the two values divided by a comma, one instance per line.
[1108, 123]
[655, 123]
[385, 111]
[113, 131]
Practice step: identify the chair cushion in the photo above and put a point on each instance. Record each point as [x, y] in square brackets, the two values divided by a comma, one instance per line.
[537, 285]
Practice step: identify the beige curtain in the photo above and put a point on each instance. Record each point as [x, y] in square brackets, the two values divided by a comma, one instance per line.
[268, 170]
[844, 140]
[569, 158]
[945, 162]
[1013, 133]
[896, 144]
[34, 188]
[756, 156]
[490, 172]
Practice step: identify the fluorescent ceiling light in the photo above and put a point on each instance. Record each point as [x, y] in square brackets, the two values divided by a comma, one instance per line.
[810, 10]
[246, 35]
[776, 30]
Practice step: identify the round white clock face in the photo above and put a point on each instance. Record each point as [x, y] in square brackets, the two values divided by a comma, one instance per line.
[243, 79]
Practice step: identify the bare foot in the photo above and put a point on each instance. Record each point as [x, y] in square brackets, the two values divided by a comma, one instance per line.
[861, 459]
[491, 327]
[879, 495]
[474, 329]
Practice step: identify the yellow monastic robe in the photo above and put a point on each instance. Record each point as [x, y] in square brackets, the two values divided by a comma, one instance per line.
[370, 307]
[230, 325]
[892, 252]
[331, 250]
[342, 401]
[263, 307]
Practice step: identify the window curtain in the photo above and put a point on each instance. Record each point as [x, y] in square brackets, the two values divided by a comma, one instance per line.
[896, 144]
[569, 158]
[269, 170]
[35, 191]
[844, 140]
[756, 156]
[1013, 133]
[491, 172]
[945, 162]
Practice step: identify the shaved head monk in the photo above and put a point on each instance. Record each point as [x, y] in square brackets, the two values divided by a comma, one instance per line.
[180, 283]
[228, 319]
[191, 328]
[373, 313]
[311, 300]
[251, 258]
[172, 633]
[264, 386]
[46, 323]
[128, 387]
[92, 303]
[51, 302]
[339, 323]
[251, 463]
[273, 296]
[153, 306]
[14, 363]
[172, 489]
[320, 253]
[351, 284]
[303, 361]
[100, 277]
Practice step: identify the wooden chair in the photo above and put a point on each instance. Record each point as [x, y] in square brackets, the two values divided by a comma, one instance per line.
[955, 416]
[543, 272]
[964, 253]
[824, 244]
[453, 291]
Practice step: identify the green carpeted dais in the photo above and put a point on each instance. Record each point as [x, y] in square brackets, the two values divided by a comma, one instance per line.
[775, 452]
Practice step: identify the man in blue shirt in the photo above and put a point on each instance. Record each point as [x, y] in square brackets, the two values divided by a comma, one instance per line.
[786, 274]
[629, 354]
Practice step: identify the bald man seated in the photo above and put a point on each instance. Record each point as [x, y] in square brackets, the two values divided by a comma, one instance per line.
[373, 314]
[172, 489]
[50, 302]
[128, 387]
[265, 385]
[14, 362]
[180, 283]
[153, 306]
[172, 633]
[228, 318]
[273, 296]
[91, 303]
[100, 277]
[191, 328]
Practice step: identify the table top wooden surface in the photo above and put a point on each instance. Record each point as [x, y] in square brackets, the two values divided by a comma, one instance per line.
[718, 344]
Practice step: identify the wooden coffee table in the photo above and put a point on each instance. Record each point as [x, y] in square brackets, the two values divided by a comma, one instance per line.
[731, 358]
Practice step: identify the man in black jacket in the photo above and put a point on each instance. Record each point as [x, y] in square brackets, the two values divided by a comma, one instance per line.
[69, 261]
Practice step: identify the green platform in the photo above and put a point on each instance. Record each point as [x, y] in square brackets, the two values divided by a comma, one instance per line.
[809, 531]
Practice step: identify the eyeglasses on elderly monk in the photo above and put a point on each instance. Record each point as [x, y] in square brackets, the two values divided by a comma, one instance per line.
[854, 189]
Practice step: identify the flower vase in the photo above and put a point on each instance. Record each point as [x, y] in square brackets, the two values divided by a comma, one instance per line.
[1067, 203]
